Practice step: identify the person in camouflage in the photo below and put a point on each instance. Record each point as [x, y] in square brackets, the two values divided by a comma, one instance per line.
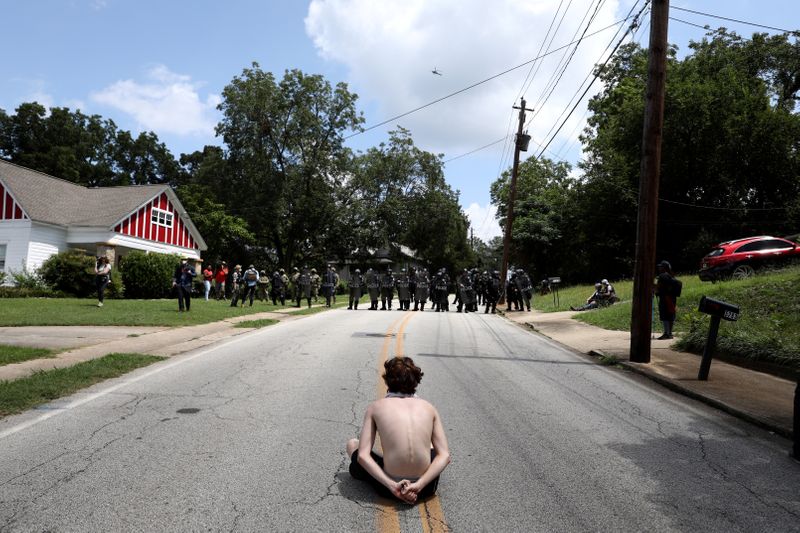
[278, 289]
[295, 286]
[524, 289]
[304, 287]
[355, 285]
[403, 292]
[421, 289]
[387, 289]
[373, 287]
[316, 282]
[328, 285]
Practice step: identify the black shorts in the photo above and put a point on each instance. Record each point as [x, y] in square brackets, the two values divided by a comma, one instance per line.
[358, 472]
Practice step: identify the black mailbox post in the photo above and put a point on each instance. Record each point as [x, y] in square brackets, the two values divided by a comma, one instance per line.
[553, 283]
[718, 310]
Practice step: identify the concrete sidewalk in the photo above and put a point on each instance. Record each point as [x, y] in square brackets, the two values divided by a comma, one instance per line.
[84, 343]
[759, 398]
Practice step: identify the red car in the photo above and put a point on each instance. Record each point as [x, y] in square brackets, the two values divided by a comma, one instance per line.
[740, 258]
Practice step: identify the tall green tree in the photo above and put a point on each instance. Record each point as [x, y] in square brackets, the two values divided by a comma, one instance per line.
[396, 194]
[84, 149]
[286, 156]
[730, 158]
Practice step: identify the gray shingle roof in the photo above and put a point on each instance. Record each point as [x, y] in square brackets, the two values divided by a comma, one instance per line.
[56, 201]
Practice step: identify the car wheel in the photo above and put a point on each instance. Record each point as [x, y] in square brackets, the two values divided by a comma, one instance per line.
[743, 272]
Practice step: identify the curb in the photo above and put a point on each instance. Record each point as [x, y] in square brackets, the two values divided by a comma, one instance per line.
[676, 387]
[672, 385]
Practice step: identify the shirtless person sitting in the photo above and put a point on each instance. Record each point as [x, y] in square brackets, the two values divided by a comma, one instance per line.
[415, 448]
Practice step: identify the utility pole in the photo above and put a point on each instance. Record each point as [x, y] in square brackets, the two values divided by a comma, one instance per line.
[520, 145]
[644, 270]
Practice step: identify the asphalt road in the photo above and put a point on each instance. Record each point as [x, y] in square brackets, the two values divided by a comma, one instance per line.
[249, 436]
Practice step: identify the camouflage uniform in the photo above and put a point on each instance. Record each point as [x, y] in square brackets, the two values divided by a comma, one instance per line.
[387, 289]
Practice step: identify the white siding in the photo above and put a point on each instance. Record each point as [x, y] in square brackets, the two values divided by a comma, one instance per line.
[15, 234]
[45, 241]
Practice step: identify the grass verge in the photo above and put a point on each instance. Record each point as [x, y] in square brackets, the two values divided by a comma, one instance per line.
[260, 323]
[84, 312]
[22, 394]
[17, 354]
[767, 330]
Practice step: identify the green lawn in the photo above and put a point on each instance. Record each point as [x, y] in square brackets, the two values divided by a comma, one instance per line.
[22, 394]
[17, 354]
[768, 328]
[84, 312]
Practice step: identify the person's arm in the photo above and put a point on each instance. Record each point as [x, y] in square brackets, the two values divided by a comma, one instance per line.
[439, 463]
[365, 443]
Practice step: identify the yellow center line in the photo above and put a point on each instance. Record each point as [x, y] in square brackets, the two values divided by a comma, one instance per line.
[388, 521]
[430, 511]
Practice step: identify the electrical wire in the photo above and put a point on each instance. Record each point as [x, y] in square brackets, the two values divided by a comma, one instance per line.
[596, 75]
[476, 84]
[734, 20]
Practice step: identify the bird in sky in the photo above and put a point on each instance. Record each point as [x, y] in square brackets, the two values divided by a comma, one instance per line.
[435, 71]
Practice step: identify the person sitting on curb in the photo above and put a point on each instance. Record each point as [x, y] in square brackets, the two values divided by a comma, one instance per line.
[593, 301]
[415, 448]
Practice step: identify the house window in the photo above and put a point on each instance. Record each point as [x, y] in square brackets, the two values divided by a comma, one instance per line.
[2, 257]
[161, 217]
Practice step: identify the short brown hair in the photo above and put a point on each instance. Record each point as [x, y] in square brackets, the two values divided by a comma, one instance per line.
[402, 375]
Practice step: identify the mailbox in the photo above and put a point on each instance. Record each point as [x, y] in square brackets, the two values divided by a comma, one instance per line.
[554, 281]
[718, 308]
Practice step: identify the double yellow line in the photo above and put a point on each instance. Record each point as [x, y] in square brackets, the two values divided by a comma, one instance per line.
[430, 511]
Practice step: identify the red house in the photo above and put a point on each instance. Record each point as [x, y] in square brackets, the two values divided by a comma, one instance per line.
[41, 215]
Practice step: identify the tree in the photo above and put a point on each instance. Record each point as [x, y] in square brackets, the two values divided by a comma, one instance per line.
[286, 156]
[396, 194]
[87, 150]
[730, 160]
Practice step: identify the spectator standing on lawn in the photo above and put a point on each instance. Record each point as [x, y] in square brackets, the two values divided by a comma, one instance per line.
[236, 280]
[102, 277]
[182, 281]
[248, 284]
[220, 278]
[208, 276]
[667, 288]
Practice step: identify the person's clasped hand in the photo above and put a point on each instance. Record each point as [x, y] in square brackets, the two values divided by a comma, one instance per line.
[402, 491]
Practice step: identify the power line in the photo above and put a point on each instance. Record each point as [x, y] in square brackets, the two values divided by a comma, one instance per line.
[634, 24]
[501, 139]
[476, 84]
[733, 20]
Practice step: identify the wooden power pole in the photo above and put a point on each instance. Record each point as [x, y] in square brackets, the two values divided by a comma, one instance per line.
[520, 145]
[645, 267]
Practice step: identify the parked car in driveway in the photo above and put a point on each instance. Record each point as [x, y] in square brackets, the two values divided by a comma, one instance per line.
[740, 258]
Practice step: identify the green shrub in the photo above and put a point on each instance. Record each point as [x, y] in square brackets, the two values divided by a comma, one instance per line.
[18, 292]
[2, 277]
[71, 272]
[116, 288]
[148, 275]
[27, 279]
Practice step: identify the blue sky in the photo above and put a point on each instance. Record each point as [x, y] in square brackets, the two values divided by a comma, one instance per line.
[161, 65]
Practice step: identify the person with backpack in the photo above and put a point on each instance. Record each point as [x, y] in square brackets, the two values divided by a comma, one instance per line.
[249, 284]
[236, 285]
[667, 289]
[182, 281]
[492, 293]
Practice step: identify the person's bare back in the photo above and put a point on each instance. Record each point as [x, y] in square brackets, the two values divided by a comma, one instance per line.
[414, 445]
[405, 426]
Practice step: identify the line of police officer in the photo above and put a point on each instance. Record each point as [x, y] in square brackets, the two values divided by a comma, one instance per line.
[472, 288]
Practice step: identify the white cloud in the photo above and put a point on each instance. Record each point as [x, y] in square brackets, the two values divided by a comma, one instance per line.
[482, 220]
[390, 49]
[166, 103]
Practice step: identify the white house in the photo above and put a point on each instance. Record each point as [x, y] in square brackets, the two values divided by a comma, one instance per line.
[41, 215]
